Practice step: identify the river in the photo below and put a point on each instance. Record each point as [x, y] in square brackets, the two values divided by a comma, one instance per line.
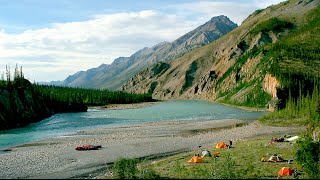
[69, 123]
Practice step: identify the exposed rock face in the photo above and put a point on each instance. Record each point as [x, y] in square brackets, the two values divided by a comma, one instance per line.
[230, 67]
[122, 69]
[270, 85]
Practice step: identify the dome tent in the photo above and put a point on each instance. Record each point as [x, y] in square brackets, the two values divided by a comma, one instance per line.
[221, 145]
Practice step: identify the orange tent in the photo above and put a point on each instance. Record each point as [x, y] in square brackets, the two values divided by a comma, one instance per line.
[195, 159]
[285, 171]
[221, 145]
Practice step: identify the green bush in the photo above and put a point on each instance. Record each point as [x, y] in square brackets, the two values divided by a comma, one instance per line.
[273, 24]
[128, 169]
[125, 168]
[189, 77]
[308, 154]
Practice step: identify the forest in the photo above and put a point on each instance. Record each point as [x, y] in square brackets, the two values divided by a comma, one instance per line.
[22, 102]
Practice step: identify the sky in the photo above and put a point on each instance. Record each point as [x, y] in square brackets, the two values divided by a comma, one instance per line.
[52, 39]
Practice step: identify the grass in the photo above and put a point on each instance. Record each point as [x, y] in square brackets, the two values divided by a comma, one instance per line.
[242, 161]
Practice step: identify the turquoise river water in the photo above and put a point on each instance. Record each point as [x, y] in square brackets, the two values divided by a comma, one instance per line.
[69, 123]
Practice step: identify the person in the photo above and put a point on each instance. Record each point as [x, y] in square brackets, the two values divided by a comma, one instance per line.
[230, 143]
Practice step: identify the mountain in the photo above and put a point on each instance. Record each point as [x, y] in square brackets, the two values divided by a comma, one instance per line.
[53, 83]
[273, 53]
[115, 75]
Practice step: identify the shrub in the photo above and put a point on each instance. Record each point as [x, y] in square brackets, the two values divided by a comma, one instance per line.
[189, 77]
[125, 168]
[273, 24]
[308, 154]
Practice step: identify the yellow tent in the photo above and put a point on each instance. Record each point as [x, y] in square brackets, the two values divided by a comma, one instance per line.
[221, 145]
[195, 159]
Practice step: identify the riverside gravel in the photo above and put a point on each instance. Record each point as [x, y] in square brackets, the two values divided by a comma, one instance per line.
[57, 157]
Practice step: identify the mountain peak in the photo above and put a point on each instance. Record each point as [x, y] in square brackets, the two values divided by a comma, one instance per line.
[223, 19]
[220, 17]
[124, 68]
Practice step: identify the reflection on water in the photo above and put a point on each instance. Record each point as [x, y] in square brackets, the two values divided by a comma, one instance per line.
[64, 124]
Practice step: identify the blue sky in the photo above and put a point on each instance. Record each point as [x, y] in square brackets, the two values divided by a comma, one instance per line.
[52, 39]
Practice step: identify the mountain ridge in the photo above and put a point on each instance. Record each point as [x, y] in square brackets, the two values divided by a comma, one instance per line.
[236, 68]
[117, 73]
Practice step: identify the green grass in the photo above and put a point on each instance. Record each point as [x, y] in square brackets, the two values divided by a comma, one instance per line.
[243, 161]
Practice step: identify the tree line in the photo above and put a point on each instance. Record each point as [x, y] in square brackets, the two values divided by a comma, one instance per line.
[22, 102]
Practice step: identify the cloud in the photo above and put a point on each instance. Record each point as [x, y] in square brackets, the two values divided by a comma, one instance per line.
[237, 11]
[78, 46]
[264, 4]
[62, 49]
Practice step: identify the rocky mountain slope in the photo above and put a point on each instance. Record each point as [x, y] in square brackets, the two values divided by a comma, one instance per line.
[257, 64]
[115, 75]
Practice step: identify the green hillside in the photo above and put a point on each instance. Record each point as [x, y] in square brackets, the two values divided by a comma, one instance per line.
[294, 60]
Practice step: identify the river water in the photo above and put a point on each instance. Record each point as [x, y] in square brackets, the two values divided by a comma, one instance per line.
[69, 123]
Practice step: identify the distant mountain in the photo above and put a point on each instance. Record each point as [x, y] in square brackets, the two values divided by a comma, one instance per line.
[273, 53]
[115, 75]
[53, 83]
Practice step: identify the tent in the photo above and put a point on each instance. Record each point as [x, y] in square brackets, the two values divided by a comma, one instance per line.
[276, 158]
[195, 159]
[221, 145]
[285, 171]
[205, 153]
[292, 139]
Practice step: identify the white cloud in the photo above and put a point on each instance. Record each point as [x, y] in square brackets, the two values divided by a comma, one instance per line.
[264, 4]
[55, 52]
[78, 46]
[237, 11]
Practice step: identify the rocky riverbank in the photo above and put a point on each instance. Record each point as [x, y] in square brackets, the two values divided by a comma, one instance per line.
[57, 157]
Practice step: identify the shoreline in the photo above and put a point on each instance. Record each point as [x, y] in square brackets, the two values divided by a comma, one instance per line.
[244, 107]
[57, 158]
[146, 104]
[124, 106]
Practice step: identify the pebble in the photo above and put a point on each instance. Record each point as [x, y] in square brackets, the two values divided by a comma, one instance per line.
[133, 141]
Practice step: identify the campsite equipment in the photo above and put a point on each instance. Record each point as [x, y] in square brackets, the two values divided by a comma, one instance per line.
[285, 171]
[277, 139]
[195, 159]
[221, 145]
[205, 153]
[216, 154]
[88, 147]
[291, 139]
[276, 158]
[263, 159]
